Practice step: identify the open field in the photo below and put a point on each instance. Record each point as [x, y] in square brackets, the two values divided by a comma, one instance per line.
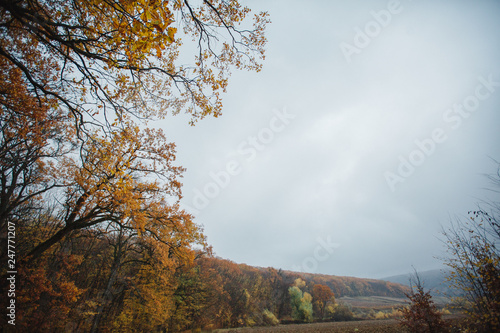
[381, 302]
[374, 302]
[364, 326]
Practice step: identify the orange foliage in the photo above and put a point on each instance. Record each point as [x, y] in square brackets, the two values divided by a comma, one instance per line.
[322, 295]
[46, 293]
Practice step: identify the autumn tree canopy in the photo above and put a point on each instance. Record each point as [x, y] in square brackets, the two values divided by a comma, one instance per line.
[323, 296]
[111, 57]
[94, 192]
[94, 71]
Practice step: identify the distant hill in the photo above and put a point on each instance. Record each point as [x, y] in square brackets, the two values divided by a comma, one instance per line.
[340, 285]
[433, 280]
[354, 287]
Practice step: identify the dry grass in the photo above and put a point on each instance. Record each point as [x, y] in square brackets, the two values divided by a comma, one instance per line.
[374, 302]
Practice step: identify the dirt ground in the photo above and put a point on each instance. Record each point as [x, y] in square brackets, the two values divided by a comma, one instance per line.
[365, 326]
[373, 326]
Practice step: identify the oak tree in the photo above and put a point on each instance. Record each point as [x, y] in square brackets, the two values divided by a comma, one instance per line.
[114, 57]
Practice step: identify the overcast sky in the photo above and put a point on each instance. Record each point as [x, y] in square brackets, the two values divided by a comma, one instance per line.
[371, 123]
